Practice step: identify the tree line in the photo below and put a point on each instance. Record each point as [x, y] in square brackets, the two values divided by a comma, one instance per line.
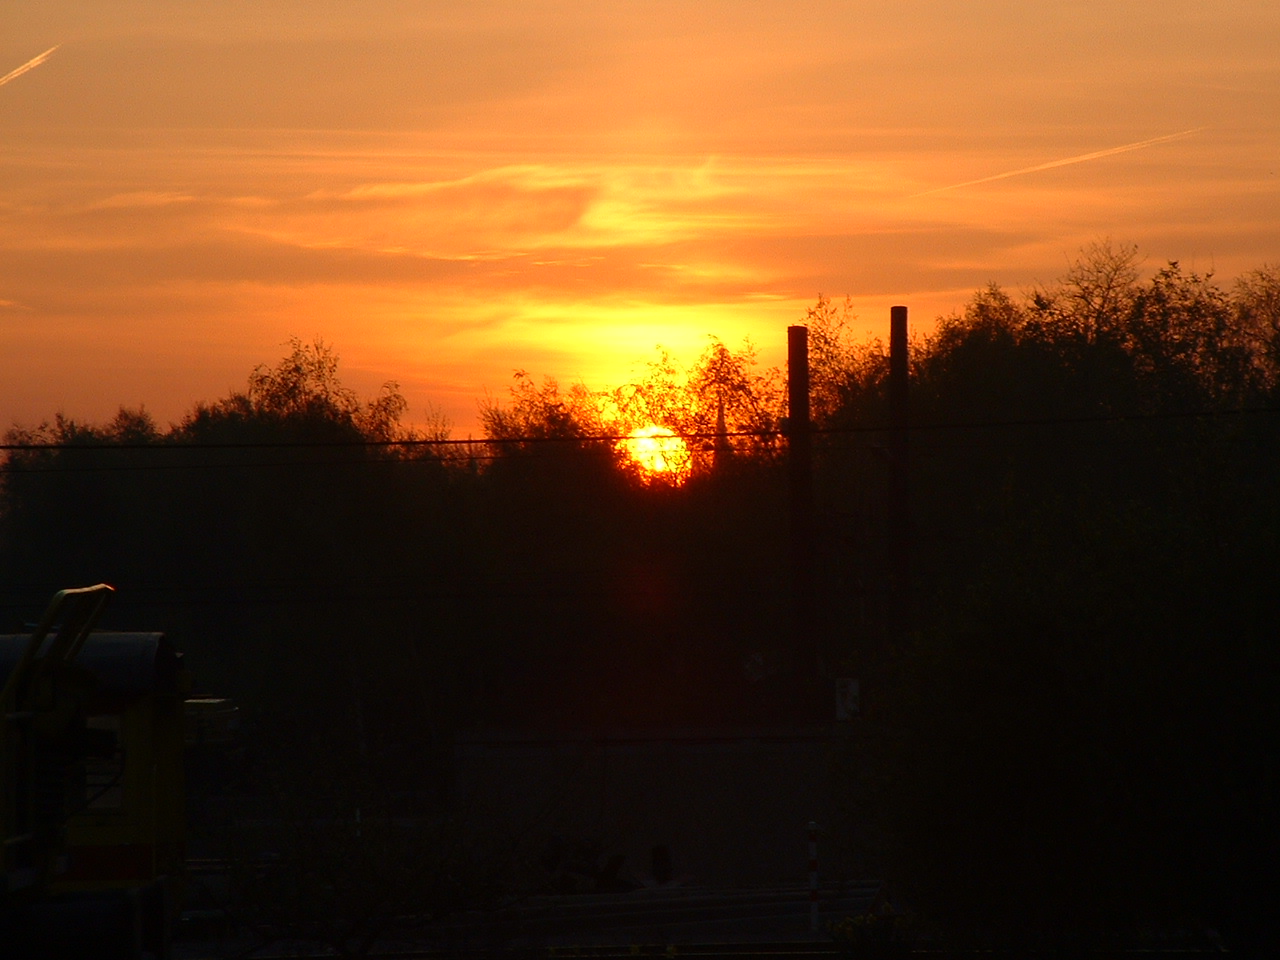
[1074, 729]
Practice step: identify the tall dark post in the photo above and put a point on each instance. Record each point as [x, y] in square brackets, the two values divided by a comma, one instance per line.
[800, 451]
[899, 492]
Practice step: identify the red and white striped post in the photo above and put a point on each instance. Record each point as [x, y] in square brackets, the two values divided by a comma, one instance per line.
[813, 876]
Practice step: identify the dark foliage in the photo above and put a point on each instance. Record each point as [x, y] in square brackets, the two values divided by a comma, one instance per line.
[1073, 732]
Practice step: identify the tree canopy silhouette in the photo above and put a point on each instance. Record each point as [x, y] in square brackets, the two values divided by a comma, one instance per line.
[1088, 670]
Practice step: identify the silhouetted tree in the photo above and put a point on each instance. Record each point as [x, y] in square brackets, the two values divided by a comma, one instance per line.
[1089, 669]
[1257, 303]
[1075, 739]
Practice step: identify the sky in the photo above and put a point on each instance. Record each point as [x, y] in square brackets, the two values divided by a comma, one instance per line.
[446, 191]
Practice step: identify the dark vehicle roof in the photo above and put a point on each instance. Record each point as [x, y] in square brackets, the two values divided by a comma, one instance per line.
[127, 665]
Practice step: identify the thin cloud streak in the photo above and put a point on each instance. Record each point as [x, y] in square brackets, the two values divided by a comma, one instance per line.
[29, 65]
[1096, 155]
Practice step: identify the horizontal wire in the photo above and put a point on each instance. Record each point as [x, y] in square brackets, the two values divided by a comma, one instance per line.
[581, 446]
[168, 445]
[162, 444]
[863, 449]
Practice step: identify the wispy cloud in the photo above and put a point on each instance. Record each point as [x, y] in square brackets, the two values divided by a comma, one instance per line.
[141, 199]
[1096, 155]
[29, 65]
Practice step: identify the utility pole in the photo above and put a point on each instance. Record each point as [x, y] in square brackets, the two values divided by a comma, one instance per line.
[899, 491]
[800, 462]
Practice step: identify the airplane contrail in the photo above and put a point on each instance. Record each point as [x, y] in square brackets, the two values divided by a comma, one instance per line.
[29, 65]
[1096, 155]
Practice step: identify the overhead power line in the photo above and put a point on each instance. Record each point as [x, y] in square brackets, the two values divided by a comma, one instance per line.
[163, 444]
[498, 444]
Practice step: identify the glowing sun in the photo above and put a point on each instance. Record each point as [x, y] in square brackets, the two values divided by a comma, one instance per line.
[658, 452]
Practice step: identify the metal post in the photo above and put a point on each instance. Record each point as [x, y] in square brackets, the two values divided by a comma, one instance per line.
[813, 876]
[899, 493]
[800, 451]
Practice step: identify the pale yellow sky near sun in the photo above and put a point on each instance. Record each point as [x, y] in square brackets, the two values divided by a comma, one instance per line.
[446, 191]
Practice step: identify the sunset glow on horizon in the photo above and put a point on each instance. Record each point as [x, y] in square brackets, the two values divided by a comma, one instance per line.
[449, 192]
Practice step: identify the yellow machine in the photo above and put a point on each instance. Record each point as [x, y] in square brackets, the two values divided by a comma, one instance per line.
[91, 753]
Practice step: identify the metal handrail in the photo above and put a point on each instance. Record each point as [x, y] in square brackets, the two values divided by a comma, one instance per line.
[82, 606]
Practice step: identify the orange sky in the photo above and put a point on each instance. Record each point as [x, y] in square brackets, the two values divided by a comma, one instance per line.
[448, 190]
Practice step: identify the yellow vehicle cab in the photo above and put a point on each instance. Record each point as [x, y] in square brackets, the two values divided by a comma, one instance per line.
[91, 756]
